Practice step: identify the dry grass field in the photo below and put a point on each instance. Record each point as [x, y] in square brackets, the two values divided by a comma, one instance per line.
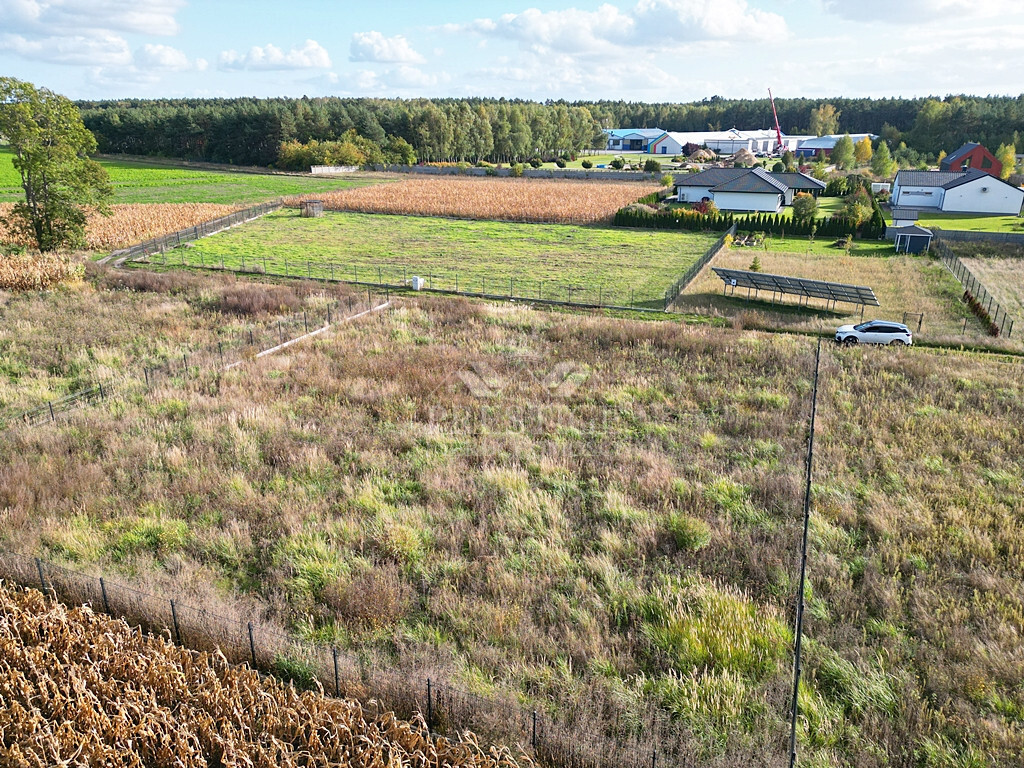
[77, 688]
[499, 199]
[1004, 279]
[129, 224]
[598, 518]
[901, 284]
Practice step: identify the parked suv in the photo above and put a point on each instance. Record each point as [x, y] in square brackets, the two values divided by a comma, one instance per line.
[875, 332]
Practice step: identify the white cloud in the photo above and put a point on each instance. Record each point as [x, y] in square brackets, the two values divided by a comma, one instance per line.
[400, 80]
[163, 57]
[269, 57]
[649, 25]
[373, 46]
[104, 50]
[60, 18]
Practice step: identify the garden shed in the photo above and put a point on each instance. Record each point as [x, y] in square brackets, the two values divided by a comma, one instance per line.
[913, 239]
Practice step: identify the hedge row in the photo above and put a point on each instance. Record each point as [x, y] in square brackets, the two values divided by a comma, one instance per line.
[771, 223]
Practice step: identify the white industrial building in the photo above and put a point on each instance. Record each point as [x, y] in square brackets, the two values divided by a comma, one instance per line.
[723, 142]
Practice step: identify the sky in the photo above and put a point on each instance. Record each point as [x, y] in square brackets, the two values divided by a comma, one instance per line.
[636, 50]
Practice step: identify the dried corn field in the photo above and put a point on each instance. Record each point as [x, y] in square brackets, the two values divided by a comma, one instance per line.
[37, 272]
[500, 199]
[130, 224]
[77, 688]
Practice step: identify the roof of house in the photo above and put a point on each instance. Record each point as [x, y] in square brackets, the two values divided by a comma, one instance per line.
[712, 177]
[795, 180]
[913, 229]
[927, 178]
[945, 179]
[951, 158]
[756, 180]
[828, 142]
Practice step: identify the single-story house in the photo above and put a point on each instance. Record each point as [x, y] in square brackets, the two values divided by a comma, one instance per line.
[913, 239]
[826, 144]
[631, 139]
[733, 189]
[799, 182]
[970, 191]
[972, 155]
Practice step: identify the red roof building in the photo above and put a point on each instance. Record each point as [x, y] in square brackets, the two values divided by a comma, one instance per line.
[972, 156]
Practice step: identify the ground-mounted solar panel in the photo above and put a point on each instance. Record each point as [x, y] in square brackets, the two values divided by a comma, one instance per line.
[798, 286]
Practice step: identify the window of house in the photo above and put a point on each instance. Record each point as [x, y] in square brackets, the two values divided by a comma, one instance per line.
[986, 163]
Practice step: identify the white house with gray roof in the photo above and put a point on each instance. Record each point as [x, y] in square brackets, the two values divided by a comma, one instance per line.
[970, 191]
[733, 189]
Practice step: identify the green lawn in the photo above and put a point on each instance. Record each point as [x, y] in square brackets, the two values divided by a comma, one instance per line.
[143, 182]
[970, 223]
[542, 260]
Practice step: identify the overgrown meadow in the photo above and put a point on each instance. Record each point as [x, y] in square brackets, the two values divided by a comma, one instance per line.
[597, 518]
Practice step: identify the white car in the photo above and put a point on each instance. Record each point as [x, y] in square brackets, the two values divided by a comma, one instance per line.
[875, 332]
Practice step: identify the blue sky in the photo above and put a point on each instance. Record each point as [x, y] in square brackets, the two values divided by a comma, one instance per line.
[639, 50]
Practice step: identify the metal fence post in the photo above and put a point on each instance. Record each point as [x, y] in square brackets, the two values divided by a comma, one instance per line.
[49, 404]
[42, 579]
[103, 591]
[337, 689]
[252, 646]
[174, 618]
[533, 737]
[430, 701]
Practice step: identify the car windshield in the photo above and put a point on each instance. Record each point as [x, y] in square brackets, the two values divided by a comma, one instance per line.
[864, 326]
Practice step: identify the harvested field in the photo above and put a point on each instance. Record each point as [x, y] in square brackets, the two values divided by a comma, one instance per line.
[79, 688]
[572, 202]
[130, 224]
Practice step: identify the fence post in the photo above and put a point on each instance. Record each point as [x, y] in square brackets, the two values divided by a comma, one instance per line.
[328, 314]
[174, 618]
[337, 689]
[252, 646]
[533, 738]
[305, 325]
[49, 404]
[102, 396]
[42, 579]
[251, 342]
[430, 697]
[145, 371]
[103, 591]
[654, 757]
[220, 350]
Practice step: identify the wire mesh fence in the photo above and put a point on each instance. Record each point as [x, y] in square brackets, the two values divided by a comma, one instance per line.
[234, 346]
[999, 318]
[570, 739]
[680, 285]
[190, 234]
[392, 276]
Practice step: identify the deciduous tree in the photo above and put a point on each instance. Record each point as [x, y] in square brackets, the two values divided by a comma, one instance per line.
[882, 163]
[1007, 155]
[824, 120]
[843, 154]
[51, 149]
[862, 151]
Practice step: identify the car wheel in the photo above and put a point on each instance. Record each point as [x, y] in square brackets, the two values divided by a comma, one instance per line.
[850, 341]
[897, 343]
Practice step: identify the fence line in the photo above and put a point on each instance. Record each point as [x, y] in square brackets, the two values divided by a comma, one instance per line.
[400, 276]
[680, 285]
[572, 742]
[1000, 319]
[967, 236]
[230, 350]
[606, 174]
[190, 234]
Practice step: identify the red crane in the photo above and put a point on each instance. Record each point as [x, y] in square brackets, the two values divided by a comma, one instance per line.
[778, 131]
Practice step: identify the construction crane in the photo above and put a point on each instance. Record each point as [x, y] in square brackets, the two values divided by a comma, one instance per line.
[778, 131]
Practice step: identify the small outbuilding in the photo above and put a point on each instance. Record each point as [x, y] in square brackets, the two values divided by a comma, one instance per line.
[311, 209]
[913, 239]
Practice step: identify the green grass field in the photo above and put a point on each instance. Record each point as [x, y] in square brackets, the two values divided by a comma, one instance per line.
[142, 182]
[969, 222]
[543, 260]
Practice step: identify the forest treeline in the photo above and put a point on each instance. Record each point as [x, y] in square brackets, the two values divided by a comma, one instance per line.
[248, 131]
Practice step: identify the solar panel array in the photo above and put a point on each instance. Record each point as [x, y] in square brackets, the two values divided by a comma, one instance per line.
[818, 289]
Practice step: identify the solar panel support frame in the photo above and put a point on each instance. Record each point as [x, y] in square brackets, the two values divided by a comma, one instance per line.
[804, 288]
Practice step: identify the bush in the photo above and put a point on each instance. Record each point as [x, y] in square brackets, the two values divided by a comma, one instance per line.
[667, 180]
[690, 533]
[587, 164]
[516, 170]
[490, 170]
[779, 167]
[706, 207]
[652, 166]
[535, 162]
[560, 162]
[755, 265]
[617, 163]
